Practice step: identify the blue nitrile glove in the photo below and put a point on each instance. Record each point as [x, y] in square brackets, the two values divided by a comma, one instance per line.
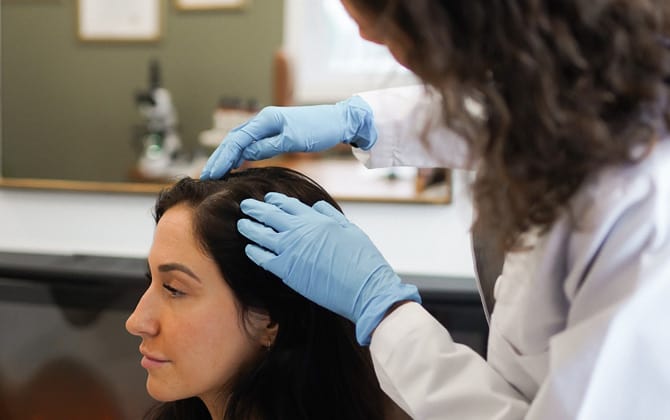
[320, 254]
[276, 130]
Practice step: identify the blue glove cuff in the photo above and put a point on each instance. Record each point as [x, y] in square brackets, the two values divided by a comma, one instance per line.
[361, 130]
[377, 308]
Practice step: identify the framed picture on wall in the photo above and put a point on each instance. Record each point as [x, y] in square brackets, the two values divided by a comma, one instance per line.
[210, 4]
[119, 20]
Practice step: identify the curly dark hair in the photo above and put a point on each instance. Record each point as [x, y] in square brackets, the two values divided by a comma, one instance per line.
[567, 87]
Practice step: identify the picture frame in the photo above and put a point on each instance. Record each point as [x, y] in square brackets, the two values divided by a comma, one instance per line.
[210, 4]
[119, 20]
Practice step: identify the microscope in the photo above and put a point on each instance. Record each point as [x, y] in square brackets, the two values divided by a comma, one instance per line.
[160, 144]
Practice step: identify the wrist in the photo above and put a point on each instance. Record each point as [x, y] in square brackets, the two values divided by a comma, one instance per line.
[361, 131]
[393, 308]
[382, 305]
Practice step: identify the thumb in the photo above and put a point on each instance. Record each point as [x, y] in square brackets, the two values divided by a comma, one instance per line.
[265, 148]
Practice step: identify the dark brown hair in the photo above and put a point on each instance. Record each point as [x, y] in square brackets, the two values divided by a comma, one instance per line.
[567, 87]
[315, 368]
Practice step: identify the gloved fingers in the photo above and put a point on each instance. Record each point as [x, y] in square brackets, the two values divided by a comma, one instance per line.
[288, 204]
[267, 123]
[226, 155]
[238, 163]
[211, 162]
[256, 232]
[268, 214]
[266, 148]
[258, 255]
[327, 209]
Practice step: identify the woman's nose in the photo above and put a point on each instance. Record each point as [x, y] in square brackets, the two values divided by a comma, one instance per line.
[144, 321]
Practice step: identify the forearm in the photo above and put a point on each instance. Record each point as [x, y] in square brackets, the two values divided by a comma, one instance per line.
[421, 368]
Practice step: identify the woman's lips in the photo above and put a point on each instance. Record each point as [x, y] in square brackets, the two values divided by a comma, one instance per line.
[149, 362]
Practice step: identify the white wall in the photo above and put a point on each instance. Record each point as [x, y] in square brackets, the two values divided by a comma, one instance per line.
[415, 238]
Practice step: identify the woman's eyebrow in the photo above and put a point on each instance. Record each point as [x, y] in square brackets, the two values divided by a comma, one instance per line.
[163, 268]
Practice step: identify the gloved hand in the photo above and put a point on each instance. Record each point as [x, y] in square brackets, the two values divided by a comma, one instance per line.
[293, 129]
[320, 254]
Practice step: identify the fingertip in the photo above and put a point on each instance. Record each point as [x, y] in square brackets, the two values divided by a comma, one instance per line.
[247, 204]
[242, 224]
[323, 205]
[280, 200]
[244, 227]
[215, 173]
[206, 172]
[273, 196]
[250, 251]
[244, 204]
[220, 168]
[257, 254]
[328, 209]
[248, 201]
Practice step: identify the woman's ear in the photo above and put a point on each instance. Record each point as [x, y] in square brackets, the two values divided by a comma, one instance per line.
[264, 328]
[269, 333]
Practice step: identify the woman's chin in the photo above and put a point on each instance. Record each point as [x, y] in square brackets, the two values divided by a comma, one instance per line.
[159, 392]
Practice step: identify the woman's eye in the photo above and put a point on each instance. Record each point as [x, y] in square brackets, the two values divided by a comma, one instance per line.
[147, 277]
[172, 291]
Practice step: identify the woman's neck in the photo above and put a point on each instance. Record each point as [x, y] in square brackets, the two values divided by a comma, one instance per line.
[216, 403]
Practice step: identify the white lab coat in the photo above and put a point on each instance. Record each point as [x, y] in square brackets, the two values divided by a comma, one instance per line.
[634, 360]
[554, 304]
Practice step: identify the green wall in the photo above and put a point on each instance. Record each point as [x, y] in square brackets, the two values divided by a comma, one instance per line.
[68, 109]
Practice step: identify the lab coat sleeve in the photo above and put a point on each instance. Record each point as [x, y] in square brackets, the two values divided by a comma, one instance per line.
[431, 377]
[411, 131]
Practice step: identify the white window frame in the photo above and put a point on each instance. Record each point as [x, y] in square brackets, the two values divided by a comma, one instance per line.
[330, 61]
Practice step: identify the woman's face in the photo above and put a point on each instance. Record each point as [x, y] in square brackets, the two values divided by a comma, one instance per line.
[370, 31]
[193, 340]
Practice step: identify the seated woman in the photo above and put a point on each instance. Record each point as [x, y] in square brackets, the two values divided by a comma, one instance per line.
[224, 339]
